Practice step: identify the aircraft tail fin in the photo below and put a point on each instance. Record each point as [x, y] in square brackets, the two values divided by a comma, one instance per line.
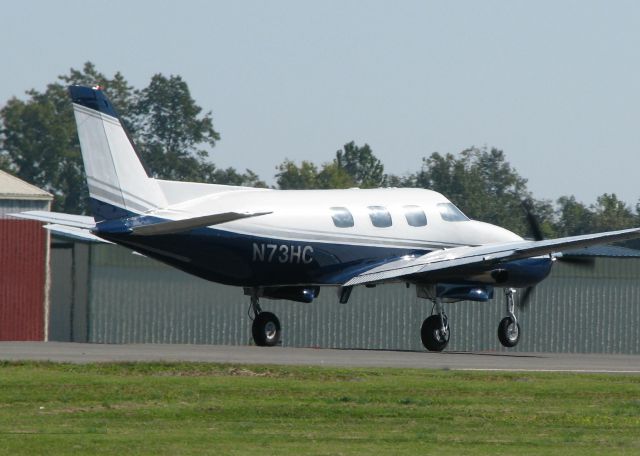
[118, 183]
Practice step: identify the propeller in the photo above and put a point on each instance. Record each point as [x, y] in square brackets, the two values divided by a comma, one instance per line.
[532, 220]
[536, 232]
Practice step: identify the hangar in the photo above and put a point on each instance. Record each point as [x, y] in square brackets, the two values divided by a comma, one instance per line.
[24, 269]
[107, 294]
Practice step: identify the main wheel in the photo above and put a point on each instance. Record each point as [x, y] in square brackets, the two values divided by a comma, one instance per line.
[266, 330]
[508, 333]
[433, 338]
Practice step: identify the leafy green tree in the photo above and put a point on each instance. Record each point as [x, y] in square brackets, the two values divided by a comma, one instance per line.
[39, 141]
[365, 169]
[406, 181]
[483, 185]
[230, 176]
[573, 217]
[609, 213]
[333, 175]
[39, 144]
[172, 131]
[290, 176]
[352, 166]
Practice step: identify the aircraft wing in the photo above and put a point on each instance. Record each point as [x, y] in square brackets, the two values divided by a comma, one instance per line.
[489, 255]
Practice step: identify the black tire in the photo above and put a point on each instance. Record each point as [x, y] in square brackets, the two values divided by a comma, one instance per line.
[432, 337]
[508, 334]
[266, 330]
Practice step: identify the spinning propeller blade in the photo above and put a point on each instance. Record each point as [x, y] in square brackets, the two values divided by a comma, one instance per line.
[532, 220]
[536, 232]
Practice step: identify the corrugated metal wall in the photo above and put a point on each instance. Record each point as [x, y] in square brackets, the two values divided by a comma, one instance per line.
[23, 262]
[134, 299]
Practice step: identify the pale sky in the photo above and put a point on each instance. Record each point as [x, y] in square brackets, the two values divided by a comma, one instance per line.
[555, 84]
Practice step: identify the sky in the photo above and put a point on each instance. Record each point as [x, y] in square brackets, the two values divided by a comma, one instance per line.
[554, 84]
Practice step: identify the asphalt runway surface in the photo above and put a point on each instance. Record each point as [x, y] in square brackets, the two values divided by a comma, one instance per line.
[485, 361]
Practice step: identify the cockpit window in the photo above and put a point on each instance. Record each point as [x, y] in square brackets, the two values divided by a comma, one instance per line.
[341, 216]
[415, 216]
[450, 213]
[380, 216]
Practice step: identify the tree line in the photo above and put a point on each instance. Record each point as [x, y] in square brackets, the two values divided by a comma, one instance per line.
[39, 143]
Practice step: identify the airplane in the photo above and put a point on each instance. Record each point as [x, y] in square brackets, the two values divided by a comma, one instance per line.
[290, 244]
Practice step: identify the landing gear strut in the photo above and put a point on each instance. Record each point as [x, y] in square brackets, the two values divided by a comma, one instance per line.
[509, 328]
[435, 331]
[266, 326]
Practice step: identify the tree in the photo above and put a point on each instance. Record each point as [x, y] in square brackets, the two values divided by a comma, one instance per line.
[365, 169]
[171, 131]
[352, 166]
[290, 176]
[609, 213]
[230, 176]
[483, 185]
[573, 217]
[406, 181]
[333, 175]
[39, 142]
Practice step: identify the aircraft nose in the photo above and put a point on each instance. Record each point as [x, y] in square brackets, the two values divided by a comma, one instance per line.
[492, 233]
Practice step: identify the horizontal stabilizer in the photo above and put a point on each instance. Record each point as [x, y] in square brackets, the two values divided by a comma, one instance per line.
[75, 234]
[178, 226]
[78, 221]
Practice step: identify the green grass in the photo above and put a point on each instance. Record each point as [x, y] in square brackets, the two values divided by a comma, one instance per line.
[143, 408]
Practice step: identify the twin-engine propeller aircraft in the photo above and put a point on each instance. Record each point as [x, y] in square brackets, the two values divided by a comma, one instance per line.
[287, 244]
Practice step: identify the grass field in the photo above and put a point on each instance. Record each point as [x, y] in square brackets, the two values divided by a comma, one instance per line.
[48, 408]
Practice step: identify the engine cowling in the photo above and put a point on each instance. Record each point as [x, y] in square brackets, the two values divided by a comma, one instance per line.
[297, 294]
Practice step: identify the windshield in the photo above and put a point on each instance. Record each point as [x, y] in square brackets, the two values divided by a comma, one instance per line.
[450, 213]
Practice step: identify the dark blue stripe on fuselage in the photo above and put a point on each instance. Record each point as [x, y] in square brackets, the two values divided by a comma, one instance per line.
[243, 260]
[253, 261]
[257, 261]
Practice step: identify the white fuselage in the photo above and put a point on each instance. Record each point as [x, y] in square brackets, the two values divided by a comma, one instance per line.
[306, 215]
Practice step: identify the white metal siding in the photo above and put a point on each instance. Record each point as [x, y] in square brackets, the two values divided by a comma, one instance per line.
[134, 299]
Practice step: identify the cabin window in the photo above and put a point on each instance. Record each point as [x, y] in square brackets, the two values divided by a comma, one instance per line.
[415, 216]
[341, 216]
[380, 216]
[450, 213]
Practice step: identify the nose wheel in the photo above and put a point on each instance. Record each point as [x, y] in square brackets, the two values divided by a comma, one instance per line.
[509, 329]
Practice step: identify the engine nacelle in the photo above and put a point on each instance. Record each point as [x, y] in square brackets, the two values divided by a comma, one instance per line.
[500, 275]
[297, 294]
[464, 293]
[455, 292]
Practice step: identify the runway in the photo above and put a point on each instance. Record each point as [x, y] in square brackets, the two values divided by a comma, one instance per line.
[503, 361]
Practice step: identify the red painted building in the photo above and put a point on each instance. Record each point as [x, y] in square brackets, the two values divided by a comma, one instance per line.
[24, 262]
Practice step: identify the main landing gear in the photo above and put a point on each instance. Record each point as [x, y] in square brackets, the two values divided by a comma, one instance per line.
[435, 330]
[509, 328]
[266, 328]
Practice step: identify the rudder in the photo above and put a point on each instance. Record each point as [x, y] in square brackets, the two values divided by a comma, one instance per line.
[118, 183]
